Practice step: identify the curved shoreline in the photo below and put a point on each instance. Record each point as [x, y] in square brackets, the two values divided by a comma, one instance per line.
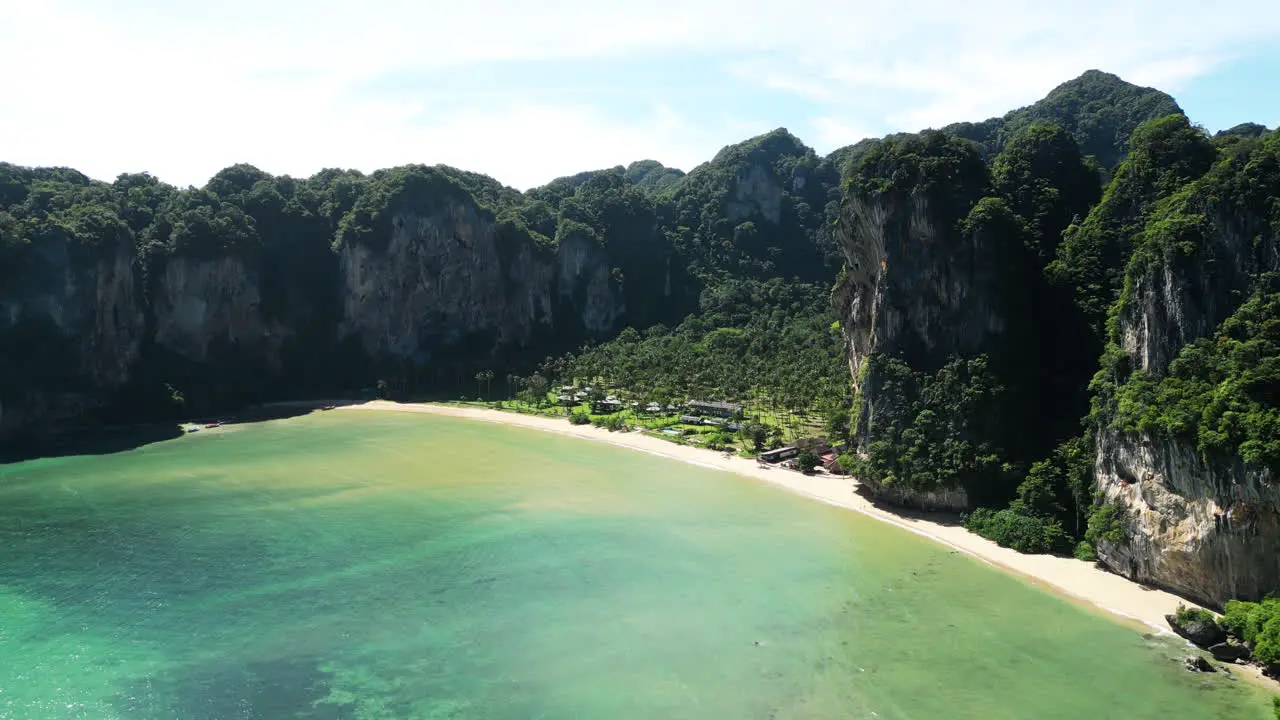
[1075, 579]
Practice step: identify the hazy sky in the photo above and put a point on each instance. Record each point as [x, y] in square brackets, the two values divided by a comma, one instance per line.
[527, 91]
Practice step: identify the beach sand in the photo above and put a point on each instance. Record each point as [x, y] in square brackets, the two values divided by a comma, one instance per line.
[1076, 579]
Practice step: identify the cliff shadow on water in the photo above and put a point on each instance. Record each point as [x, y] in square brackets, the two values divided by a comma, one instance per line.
[107, 440]
[103, 441]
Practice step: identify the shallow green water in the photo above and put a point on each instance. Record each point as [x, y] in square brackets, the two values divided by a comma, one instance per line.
[362, 565]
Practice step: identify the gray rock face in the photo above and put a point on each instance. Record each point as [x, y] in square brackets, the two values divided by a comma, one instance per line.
[199, 301]
[445, 275]
[1173, 305]
[914, 288]
[1207, 530]
[755, 190]
[584, 281]
[439, 277]
[95, 305]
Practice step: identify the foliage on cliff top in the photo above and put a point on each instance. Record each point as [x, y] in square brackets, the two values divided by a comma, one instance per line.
[652, 176]
[42, 205]
[718, 243]
[1165, 154]
[1099, 109]
[1043, 177]
[948, 172]
[388, 192]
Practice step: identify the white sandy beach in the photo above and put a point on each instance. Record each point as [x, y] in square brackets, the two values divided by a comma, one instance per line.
[1074, 578]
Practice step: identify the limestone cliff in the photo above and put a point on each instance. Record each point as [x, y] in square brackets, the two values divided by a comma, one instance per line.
[209, 307]
[200, 301]
[1204, 530]
[446, 274]
[76, 317]
[1203, 523]
[920, 285]
[439, 277]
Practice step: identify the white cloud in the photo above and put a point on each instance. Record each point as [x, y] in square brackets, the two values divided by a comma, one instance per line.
[831, 133]
[184, 88]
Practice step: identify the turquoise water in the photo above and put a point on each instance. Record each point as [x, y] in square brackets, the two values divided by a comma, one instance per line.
[381, 565]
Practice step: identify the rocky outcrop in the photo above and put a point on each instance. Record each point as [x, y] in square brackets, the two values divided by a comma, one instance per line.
[199, 301]
[445, 275]
[1205, 531]
[1206, 528]
[1230, 652]
[1198, 627]
[439, 277]
[919, 288]
[66, 297]
[1195, 663]
[755, 191]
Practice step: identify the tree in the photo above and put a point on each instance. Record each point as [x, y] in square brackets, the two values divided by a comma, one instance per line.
[808, 461]
[758, 434]
[484, 377]
[538, 387]
[838, 424]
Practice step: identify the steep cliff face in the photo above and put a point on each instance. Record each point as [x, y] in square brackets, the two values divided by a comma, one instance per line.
[1188, 402]
[1206, 530]
[756, 192]
[446, 274]
[914, 284]
[1180, 299]
[439, 276]
[585, 286]
[76, 319]
[922, 284]
[198, 302]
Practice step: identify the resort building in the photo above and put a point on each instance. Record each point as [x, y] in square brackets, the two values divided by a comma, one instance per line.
[831, 463]
[711, 407]
[780, 454]
[605, 407]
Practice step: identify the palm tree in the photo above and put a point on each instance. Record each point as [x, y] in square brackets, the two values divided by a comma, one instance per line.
[484, 377]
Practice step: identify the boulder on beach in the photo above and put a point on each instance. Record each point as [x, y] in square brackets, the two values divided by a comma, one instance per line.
[1201, 631]
[1229, 652]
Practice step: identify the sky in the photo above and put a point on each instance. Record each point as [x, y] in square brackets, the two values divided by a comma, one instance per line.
[529, 91]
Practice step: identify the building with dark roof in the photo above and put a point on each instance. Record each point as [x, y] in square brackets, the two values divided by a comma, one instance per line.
[780, 454]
